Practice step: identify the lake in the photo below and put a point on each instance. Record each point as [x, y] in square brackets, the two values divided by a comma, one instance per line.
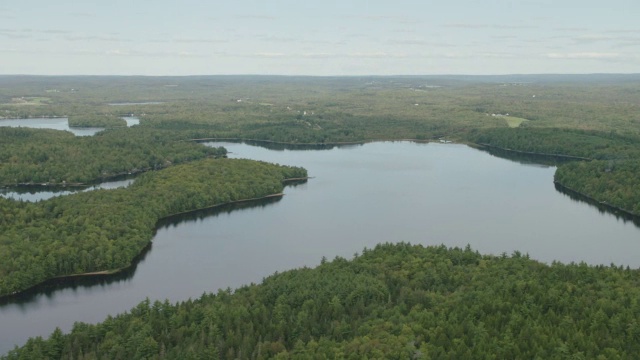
[359, 196]
[37, 193]
[60, 124]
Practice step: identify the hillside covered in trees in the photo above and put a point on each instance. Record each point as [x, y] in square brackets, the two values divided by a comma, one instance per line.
[393, 302]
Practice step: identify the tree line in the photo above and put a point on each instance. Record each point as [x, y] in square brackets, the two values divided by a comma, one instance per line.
[393, 302]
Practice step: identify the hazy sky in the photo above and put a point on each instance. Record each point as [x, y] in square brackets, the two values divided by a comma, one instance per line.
[162, 37]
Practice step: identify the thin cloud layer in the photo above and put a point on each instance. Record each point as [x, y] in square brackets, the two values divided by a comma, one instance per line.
[331, 38]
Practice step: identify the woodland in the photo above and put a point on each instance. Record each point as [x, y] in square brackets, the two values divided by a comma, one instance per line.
[397, 301]
[104, 121]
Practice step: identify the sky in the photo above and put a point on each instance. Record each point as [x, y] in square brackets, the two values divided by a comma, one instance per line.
[320, 38]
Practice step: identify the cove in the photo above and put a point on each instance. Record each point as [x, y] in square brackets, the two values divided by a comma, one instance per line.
[60, 123]
[359, 196]
[36, 193]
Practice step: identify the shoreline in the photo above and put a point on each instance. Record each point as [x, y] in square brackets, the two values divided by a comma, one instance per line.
[360, 142]
[558, 156]
[114, 177]
[111, 272]
[592, 201]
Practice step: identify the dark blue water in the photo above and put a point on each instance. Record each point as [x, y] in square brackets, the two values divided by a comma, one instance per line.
[359, 196]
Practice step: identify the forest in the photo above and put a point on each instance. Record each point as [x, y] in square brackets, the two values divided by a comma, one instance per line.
[396, 301]
[104, 121]
[583, 116]
[37, 156]
[103, 230]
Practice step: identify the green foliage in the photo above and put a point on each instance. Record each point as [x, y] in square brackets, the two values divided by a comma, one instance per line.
[29, 156]
[563, 142]
[393, 302]
[612, 182]
[104, 230]
[105, 121]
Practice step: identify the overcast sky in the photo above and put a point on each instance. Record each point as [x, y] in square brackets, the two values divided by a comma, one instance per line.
[329, 37]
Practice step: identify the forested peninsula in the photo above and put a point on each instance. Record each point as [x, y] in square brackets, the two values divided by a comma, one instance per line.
[103, 230]
[54, 158]
[392, 302]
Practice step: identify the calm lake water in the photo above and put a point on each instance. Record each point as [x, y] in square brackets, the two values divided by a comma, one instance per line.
[35, 193]
[359, 196]
[60, 124]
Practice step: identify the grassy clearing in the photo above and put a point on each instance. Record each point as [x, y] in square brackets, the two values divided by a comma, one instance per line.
[513, 121]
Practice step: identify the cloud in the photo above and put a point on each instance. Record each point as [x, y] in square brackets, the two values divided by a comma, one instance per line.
[588, 39]
[512, 27]
[137, 53]
[197, 41]
[465, 26]
[375, 55]
[504, 37]
[6, 13]
[570, 29]
[83, 14]
[486, 26]
[583, 55]
[420, 42]
[269, 55]
[497, 55]
[281, 39]
[118, 52]
[318, 55]
[392, 18]
[53, 31]
[16, 36]
[628, 41]
[256, 17]
[323, 55]
[105, 38]
[623, 31]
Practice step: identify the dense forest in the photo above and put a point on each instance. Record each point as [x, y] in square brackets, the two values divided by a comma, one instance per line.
[36, 156]
[392, 302]
[104, 121]
[103, 230]
[594, 117]
[613, 182]
[397, 301]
